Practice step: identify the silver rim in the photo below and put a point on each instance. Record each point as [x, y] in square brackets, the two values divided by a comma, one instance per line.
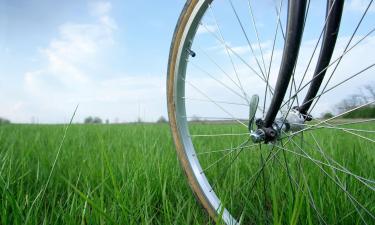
[187, 39]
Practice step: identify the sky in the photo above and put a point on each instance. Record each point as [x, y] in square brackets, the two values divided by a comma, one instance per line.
[107, 56]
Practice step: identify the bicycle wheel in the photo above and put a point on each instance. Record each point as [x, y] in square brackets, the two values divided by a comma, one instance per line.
[227, 61]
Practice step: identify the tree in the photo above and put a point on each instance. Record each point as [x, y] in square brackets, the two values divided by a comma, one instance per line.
[327, 115]
[4, 121]
[366, 95]
[88, 120]
[97, 120]
[371, 90]
[161, 120]
[195, 118]
[93, 120]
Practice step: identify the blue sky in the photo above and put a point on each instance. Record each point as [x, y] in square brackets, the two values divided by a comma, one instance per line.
[108, 56]
[56, 54]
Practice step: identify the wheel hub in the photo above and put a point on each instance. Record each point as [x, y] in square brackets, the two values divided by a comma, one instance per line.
[292, 123]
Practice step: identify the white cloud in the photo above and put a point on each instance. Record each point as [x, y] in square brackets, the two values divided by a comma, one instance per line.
[359, 6]
[351, 64]
[76, 46]
[245, 49]
[67, 80]
[64, 81]
[68, 76]
[207, 28]
[100, 8]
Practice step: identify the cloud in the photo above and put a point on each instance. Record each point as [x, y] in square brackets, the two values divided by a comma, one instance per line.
[206, 29]
[245, 49]
[352, 63]
[70, 77]
[66, 78]
[71, 59]
[359, 6]
[100, 8]
[76, 46]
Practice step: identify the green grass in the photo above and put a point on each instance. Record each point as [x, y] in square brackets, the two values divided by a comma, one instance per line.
[104, 175]
[129, 174]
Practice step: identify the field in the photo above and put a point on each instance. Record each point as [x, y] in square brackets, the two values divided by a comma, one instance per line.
[129, 174]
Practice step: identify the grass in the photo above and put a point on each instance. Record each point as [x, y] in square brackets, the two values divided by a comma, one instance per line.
[105, 174]
[129, 174]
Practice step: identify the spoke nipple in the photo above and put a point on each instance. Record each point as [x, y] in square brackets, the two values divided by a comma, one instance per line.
[191, 53]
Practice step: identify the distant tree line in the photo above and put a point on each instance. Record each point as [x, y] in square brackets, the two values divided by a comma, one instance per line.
[98, 120]
[366, 95]
[162, 119]
[92, 120]
[4, 121]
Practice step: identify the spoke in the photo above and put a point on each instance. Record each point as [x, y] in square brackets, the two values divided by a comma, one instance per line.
[306, 184]
[271, 59]
[313, 127]
[342, 82]
[279, 24]
[225, 156]
[324, 121]
[347, 46]
[295, 96]
[271, 89]
[226, 49]
[311, 199]
[215, 118]
[288, 173]
[355, 122]
[351, 200]
[330, 159]
[257, 34]
[338, 184]
[326, 158]
[219, 135]
[264, 182]
[219, 106]
[247, 38]
[222, 102]
[331, 64]
[307, 156]
[293, 83]
[220, 68]
[224, 172]
[234, 53]
[225, 150]
[347, 130]
[257, 173]
[316, 47]
[350, 132]
[219, 81]
[342, 169]
[337, 128]
[289, 57]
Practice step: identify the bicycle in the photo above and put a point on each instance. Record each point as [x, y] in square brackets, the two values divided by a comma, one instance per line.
[210, 107]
